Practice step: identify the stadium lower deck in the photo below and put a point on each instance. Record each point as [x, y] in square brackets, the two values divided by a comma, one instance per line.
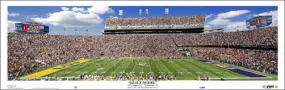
[143, 69]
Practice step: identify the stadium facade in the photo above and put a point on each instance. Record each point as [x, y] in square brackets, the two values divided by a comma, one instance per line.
[155, 25]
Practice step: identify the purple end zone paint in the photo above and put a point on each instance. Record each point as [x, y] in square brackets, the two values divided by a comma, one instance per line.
[205, 60]
[239, 71]
[246, 73]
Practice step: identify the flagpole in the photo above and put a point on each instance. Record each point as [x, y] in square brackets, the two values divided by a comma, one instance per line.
[75, 31]
[146, 12]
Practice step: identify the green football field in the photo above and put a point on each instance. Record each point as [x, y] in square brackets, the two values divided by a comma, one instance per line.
[184, 69]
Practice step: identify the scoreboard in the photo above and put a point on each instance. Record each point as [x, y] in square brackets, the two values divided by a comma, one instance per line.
[31, 27]
[260, 21]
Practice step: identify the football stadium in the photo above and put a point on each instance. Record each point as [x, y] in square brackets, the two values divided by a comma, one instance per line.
[157, 48]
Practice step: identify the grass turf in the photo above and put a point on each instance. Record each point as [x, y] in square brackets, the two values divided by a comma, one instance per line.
[184, 69]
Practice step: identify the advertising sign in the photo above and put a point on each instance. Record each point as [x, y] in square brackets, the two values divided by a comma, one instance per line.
[260, 21]
[24, 27]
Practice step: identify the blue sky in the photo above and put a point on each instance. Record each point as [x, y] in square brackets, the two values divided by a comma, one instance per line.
[93, 17]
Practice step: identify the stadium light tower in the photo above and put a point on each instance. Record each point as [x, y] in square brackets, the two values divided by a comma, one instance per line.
[65, 31]
[166, 11]
[146, 12]
[140, 12]
[221, 51]
[75, 31]
[120, 13]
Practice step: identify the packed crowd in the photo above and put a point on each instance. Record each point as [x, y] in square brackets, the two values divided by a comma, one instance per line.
[144, 46]
[263, 38]
[154, 22]
[260, 60]
[132, 76]
[28, 53]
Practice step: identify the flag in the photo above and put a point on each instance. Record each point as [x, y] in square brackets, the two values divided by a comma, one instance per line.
[33, 24]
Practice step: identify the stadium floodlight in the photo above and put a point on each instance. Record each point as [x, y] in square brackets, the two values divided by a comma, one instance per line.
[146, 11]
[120, 12]
[166, 11]
[140, 12]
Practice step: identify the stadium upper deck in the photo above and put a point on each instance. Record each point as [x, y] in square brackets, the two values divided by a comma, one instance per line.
[155, 25]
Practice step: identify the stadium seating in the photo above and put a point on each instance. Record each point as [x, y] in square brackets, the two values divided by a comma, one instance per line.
[27, 52]
[155, 22]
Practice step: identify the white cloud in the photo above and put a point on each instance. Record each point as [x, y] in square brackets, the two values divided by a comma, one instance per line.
[100, 10]
[113, 17]
[274, 15]
[76, 17]
[11, 26]
[65, 8]
[13, 14]
[220, 22]
[249, 16]
[232, 14]
[70, 19]
[234, 26]
[208, 16]
[237, 26]
[224, 18]
[207, 27]
[269, 13]
[76, 9]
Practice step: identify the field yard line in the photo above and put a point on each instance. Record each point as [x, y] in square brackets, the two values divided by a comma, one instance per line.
[230, 73]
[142, 69]
[156, 66]
[149, 65]
[127, 67]
[175, 69]
[213, 68]
[91, 70]
[201, 68]
[243, 68]
[121, 67]
[134, 66]
[164, 66]
[222, 70]
[187, 69]
[109, 67]
[74, 69]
